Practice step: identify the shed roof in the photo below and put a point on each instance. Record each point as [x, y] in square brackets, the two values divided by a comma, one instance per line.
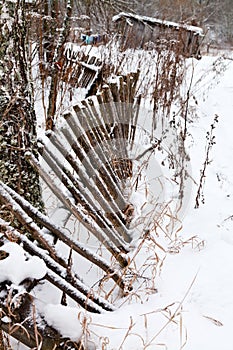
[157, 22]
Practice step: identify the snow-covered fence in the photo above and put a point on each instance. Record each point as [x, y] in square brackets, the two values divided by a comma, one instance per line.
[79, 69]
[101, 205]
[93, 173]
[95, 162]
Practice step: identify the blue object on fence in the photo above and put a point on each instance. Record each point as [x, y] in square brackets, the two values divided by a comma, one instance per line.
[91, 39]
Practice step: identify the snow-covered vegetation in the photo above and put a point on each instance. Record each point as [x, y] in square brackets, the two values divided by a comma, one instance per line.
[115, 191]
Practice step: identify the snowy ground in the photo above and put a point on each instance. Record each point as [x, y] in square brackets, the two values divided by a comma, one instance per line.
[193, 308]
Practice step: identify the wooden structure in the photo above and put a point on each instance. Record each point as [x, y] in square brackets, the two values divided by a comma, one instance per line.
[93, 131]
[90, 181]
[150, 33]
[80, 69]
